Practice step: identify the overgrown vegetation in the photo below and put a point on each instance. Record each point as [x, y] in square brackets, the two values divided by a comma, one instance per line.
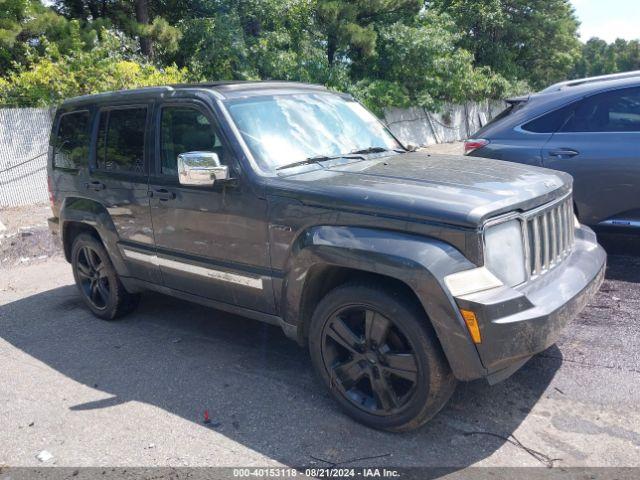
[386, 52]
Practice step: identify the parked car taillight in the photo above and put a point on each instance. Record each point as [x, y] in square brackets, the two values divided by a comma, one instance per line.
[472, 144]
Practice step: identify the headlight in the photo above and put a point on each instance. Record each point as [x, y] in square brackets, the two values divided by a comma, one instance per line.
[504, 252]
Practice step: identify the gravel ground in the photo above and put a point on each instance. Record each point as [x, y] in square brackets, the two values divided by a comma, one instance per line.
[25, 238]
[134, 392]
[454, 148]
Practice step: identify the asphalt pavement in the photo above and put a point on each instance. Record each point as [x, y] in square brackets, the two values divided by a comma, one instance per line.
[134, 392]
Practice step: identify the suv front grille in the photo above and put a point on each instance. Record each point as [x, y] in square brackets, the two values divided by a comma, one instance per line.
[549, 235]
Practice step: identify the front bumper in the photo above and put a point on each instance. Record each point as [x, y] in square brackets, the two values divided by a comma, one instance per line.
[516, 323]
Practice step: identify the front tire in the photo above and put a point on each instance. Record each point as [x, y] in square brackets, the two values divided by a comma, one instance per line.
[376, 352]
[97, 280]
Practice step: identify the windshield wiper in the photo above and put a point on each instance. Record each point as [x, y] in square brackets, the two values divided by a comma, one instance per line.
[324, 158]
[370, 150]
[310, 160]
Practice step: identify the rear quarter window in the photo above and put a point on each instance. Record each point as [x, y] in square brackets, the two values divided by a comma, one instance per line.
[507, 112]
[71, 141]
[550, 122]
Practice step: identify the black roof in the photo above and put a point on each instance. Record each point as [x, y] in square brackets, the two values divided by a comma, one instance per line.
[224, 88]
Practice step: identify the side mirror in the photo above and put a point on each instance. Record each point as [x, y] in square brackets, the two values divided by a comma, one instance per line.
[201, 169]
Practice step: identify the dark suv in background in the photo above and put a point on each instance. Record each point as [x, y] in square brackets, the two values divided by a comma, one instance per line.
[589, 128]
[402, 272]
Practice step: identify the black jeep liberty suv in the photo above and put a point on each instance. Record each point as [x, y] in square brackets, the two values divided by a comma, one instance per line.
[403, 272]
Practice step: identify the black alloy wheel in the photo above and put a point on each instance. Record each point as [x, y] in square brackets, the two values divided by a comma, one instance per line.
[374, 348]
[370, 360]
[97, 280]
[92, 274]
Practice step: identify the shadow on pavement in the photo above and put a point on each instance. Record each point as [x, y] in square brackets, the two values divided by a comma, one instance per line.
[623, 251]
[257, 385]
[617, 243]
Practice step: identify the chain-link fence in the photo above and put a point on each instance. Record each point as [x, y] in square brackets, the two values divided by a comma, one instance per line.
[24, 139]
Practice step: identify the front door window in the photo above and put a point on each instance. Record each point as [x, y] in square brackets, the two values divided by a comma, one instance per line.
[185, 129]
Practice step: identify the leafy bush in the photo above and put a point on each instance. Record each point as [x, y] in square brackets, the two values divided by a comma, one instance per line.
[47, 80]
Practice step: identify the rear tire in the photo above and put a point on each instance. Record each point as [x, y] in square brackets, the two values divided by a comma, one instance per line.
[97, 280]
[377, 354]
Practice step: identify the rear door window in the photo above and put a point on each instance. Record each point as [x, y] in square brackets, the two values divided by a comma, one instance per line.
[120, 142]
[617, 111]
[71, 143]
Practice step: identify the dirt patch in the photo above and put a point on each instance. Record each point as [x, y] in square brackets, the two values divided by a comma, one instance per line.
[25, 216]
[455, 148]
[25, 236]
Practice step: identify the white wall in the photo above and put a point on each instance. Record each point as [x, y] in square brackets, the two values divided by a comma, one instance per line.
[451, 124]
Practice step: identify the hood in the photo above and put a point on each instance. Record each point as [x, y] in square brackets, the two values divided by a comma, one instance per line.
[450, 189]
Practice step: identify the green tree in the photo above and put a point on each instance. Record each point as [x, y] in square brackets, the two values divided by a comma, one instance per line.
[596, 59]
[418, 64]
[532, 40]
[139, 19]
[248, 39]
[349, 25]
[628, 54]
[13, 13]
[24, 24]
[599, 58]
[51, 78]
[387, 52]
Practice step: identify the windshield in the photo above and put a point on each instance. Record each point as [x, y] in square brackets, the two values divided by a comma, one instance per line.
[283, 129]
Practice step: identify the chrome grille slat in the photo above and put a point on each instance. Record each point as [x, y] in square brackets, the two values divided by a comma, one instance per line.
[559, 217]
[549, 235]
[563, 225]
[571, 230]
[570, 226]
[545, 240]
[554, 236]
[536, 240]
[560, 229]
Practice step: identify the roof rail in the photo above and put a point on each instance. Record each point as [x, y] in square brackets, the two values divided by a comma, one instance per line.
[120, 93]
[247, 84]
[581, 81]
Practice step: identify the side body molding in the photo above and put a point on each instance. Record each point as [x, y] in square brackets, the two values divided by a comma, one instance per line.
[419, 262]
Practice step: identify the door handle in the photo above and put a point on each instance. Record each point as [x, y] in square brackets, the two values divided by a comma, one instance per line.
[95, 185]
[162, 194]
[563, 152]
